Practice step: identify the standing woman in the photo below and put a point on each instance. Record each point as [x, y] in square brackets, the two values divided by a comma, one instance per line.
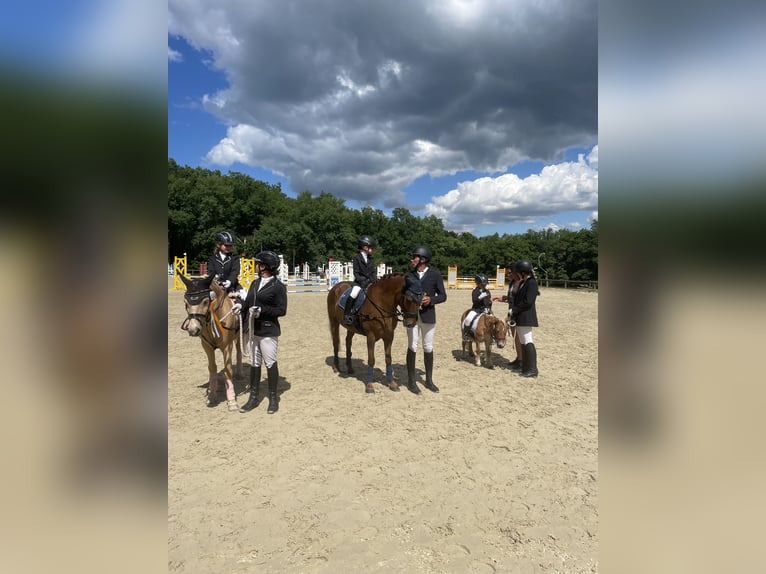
[223, 263]
[433, 293]
[267, 298]
[513, 286]
[524, 314]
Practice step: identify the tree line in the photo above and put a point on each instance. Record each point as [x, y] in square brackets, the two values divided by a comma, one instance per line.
[315, 228]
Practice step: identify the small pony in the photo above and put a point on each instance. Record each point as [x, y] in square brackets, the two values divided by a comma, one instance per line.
[211, 319]
[488, 329]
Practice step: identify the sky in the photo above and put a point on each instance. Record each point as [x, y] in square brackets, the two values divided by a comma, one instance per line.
[483, 113]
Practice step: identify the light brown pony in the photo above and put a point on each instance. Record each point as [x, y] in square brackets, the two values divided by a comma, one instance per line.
[212, 320]
[489, 329]
[389, 299]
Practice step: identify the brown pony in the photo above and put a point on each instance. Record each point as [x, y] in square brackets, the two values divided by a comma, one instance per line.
[212, 320]
[389, 299]
[489, 329]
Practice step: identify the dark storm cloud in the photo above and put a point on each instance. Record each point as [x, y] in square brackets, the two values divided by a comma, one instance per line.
[361, 98]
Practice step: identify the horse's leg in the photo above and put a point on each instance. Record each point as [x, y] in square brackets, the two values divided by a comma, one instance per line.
[231, 395]
[387, 341]
[477, 356]
[335, 332]
[487, 356]
[370, 363]
[349, 336]
[212, 381]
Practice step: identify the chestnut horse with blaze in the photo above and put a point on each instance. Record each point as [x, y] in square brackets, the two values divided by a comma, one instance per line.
[389, 299]
[489, 329]
[211, 319]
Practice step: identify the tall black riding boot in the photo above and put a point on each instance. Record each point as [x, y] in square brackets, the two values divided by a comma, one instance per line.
[411, 384]
[518, 363]
[529, 368]
[255, 385]
[428, 359]
[348, 311]
[272, 374]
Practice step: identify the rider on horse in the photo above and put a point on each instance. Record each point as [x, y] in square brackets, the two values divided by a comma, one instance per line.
[481, 303]
[364, 274]
[223, 263]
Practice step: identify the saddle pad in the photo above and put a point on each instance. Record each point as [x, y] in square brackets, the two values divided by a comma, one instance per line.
[359, 300]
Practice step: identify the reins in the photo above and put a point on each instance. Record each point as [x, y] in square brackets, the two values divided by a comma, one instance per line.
[396, 314]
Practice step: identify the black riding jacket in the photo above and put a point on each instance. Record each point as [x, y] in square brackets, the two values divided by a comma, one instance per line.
[226, 269]
[272, 300]
[364, 272]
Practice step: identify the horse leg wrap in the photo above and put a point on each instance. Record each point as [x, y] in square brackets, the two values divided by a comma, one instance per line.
[370, 373]
[412, 386]
[389, 373]
[255, 384]
[428, 360]
[272, 373]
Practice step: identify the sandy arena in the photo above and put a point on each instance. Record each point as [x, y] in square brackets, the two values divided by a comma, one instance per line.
[495, 474]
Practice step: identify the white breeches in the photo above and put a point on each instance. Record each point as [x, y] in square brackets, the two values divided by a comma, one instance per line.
[427, 330]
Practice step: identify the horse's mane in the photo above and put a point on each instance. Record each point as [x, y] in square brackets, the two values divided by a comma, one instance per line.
[387, 276]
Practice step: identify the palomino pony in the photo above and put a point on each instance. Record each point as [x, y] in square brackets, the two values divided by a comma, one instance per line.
[489, 329]
[212, 320]
[389, 299]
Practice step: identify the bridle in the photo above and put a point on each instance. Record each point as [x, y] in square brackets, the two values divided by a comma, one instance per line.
[495, 339]
[398, 315]
[193, 299]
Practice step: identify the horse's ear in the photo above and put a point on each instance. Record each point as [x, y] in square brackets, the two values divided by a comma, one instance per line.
[184, 280]
[208, 281]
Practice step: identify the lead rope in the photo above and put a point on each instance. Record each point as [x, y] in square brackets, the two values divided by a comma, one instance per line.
[250, 338]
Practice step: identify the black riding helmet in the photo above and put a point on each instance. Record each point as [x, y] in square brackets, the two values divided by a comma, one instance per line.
[269, 259]
[481, 279]
[421, 251]
[367, 240]
[224, 237]
[522, 266]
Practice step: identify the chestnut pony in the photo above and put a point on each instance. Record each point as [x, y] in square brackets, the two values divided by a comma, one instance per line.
[389, 299]
[489, 329]
[211, 319]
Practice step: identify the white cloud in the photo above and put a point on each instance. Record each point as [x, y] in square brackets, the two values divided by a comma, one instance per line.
[360, 99]
[569, 186]
[174, 55]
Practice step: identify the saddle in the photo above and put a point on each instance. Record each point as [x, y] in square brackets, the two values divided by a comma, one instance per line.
[359, 300]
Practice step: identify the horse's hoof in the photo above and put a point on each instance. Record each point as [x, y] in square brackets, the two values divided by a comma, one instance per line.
[394, 388]
[369, 390]
[232, 406]
[212, 403]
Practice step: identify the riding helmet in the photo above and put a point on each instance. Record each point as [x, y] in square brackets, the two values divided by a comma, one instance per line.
[367, 240]
[421, 251]
[522, 266]
[224, 237]
[269, 259]
[481, 279]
